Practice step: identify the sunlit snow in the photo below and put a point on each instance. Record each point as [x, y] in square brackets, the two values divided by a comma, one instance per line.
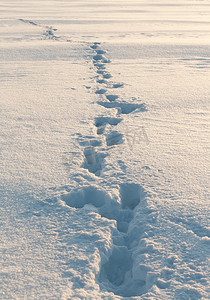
[105, 149]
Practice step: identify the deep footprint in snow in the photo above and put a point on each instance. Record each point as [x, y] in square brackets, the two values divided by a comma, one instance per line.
[99, 51]
[100, 91]
[101, 81]
[117, 85]
[83, 196]
[112, 98]
[101, 122]
[98, 57]
[114, 138]
[116, 274]
[95, 45]
[101, 58]
[100, 71]
[130, 195]
[119, 263]
[88, 140]
[123, 107]
[118, 269]
[99, 64]
[107, 75]
[93, 161]
[95, 143]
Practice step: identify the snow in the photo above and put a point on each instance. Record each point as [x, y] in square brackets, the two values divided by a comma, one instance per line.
[105, 149]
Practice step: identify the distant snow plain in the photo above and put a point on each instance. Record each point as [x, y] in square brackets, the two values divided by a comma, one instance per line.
[105, 149]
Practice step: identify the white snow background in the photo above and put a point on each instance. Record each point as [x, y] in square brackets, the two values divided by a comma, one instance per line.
[105, 149]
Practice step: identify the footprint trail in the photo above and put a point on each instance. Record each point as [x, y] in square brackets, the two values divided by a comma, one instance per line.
[116, 273]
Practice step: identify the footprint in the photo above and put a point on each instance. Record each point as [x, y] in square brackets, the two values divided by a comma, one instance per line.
[99, 51]
[123, 219]
[101, 121]
[131, 195]
[106, 61]
[124, 108]
[112, 97]
[49, 33]
[85, 195]
[95, 143]
[90, 156]
[102, 58]
[93, 161]
[95, 45]
[117, 85]
[114, 138]
[120, 262]
[100, 66]
[100, 91]
[100, 71]
[98, 57]
[101, 81]
[118, 269]
[87, 140]
[101, 129]
[107, 75]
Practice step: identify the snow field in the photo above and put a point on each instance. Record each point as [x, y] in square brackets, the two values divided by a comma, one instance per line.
[105, 194]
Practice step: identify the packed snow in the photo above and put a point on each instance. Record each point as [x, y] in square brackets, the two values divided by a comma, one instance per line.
[105, 118]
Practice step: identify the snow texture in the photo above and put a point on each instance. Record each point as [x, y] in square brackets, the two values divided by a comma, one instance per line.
[105, 149]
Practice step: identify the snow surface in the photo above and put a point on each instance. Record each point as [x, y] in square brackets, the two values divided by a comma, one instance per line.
[105, 149]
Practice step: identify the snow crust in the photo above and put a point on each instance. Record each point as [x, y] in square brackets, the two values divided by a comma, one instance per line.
[105, 149]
